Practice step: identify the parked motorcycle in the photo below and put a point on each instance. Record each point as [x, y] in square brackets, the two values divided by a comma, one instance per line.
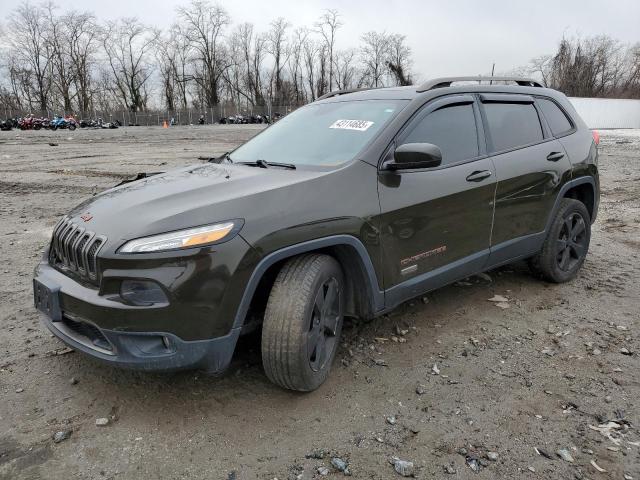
[8, 124]
[32, 123]
[63, 123]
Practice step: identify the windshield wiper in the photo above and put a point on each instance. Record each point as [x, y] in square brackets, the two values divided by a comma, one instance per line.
[220, 159]
[264, 164]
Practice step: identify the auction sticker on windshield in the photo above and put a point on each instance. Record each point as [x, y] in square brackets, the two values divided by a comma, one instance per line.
[360, 125]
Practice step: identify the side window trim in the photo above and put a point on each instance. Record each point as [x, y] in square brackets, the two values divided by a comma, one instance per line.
[491, 152]
[430, 107]
[438, 104]
[564, 112]
[505, 98]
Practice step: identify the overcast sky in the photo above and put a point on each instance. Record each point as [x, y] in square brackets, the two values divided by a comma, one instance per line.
[462, 37]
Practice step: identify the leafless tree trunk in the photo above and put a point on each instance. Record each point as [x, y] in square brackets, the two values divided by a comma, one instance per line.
[278, 48]
[327, 26]
[310, 49]
[27, 38]
[346, 69]
[82, 31]
[128, 45]
[204, 25]
[399, 61]
[374, 53]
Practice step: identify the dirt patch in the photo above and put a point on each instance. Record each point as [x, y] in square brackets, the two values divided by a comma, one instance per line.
[451, 382]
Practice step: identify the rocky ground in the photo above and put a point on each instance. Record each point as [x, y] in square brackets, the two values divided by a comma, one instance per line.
[546, 388]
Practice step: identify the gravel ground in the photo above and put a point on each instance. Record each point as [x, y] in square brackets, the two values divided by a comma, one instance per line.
[450, 382]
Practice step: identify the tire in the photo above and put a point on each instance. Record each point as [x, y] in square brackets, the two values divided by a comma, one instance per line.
[563, 254]
[72, 127]
[303, 321]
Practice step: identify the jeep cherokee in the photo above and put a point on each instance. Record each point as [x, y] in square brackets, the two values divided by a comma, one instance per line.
[348, 206]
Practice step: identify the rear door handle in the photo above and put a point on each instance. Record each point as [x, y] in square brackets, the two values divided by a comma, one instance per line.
[555, 156]
[478, 176]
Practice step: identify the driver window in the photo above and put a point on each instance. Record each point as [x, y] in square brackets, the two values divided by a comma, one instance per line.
[452, 128]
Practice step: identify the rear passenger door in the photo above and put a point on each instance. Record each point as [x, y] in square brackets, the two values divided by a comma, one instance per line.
[531, 166]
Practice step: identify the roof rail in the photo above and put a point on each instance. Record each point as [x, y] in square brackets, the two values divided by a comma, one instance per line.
[447, 81]
[335, 93]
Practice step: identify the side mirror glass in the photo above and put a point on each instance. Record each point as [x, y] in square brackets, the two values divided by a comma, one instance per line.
[416, 155]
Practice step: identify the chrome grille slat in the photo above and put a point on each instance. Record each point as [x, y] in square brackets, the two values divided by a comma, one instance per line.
[75, 248]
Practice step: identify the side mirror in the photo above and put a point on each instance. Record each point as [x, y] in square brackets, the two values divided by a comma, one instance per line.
[416, 155]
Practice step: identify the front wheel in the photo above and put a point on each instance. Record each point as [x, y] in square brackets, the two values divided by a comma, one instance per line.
[72, 127]
[303, 322]
[567, 243]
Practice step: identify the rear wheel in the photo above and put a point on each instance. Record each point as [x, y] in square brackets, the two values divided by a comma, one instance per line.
[303, 322]
[566, 245]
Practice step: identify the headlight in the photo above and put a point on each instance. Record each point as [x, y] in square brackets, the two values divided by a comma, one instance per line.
[191, 237]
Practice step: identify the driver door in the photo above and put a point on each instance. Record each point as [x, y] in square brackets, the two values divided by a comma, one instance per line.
[436, 223]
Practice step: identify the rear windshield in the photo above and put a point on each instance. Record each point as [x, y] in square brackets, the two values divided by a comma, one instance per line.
[324, 134]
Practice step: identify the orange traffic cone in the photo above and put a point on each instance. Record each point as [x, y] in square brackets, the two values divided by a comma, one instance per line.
[164, 124]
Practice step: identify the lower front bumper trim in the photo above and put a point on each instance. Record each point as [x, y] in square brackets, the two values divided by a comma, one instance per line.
[152, 351]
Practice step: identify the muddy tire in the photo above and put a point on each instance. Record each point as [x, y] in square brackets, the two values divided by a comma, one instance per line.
[303, 322]
[566, 245]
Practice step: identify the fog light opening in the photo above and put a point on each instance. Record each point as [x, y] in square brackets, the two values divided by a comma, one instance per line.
[142, 293]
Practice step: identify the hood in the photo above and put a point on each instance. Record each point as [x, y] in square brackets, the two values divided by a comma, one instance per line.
[183, 198]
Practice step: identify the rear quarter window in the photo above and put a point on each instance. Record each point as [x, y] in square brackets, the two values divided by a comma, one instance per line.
[513, 125]
[556, 118]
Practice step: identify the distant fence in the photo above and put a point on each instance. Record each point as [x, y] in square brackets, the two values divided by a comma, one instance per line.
[158, 117]
[596, 112]
[608, 112]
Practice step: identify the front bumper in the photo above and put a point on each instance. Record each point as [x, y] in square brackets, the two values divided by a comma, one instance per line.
[144, 338]
[147, 350]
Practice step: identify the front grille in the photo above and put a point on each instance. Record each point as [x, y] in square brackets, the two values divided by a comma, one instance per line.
[76, 249]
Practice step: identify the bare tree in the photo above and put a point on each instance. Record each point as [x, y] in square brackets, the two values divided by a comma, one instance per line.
[599, 66]
[31, 53]
[374, 53]
[69, 60]
[277, 47]
[327, 26]
[204, 24]
[346, 70]
[541, 66]
[296, 64]
[128, 45]
[310, 55]
[173, 51]
[399, 59]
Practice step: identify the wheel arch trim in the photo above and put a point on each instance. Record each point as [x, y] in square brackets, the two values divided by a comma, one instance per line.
[376, 296]
[565, 188]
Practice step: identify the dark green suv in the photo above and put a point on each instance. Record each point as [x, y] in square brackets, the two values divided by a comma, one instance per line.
[346, 207]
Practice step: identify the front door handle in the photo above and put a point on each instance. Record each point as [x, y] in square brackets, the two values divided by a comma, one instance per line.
[555, 156]
[478, 176]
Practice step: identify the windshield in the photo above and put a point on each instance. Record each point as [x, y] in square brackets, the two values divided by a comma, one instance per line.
[324, 134]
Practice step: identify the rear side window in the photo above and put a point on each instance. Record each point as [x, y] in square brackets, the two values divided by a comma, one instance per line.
[513, 125]
[556, 118]
[453, 129]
